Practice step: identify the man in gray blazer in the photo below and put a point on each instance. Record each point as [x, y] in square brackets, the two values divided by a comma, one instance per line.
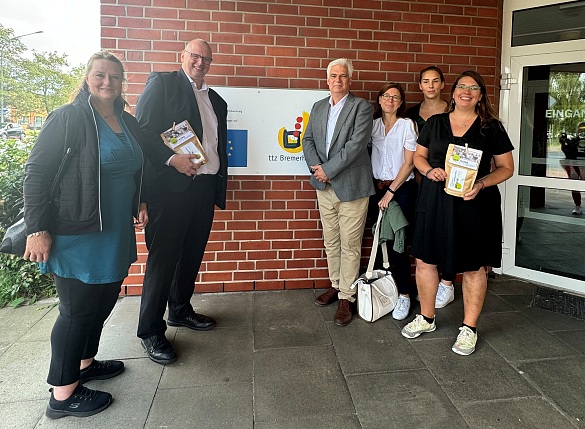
[335, 146]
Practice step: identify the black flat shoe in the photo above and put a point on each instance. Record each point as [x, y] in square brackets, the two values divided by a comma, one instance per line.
[83, 402]
[195, 321]
[159, 349]
[101, 370]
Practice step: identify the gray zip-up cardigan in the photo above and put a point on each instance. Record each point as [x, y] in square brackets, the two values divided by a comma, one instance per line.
[75, 208]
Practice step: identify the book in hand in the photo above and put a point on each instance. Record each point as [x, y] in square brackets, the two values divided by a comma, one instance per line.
[182, 140]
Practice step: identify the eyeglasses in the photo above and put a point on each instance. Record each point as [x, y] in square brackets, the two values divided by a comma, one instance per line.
[195, 57]
[464, 87]
[388, 97]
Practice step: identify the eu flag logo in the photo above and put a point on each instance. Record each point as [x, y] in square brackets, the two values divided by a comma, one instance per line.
[237, 148]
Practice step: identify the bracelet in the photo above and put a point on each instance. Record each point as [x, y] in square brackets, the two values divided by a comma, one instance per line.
[481, 183]
[428, 171]
[390, 190]
[38, 233]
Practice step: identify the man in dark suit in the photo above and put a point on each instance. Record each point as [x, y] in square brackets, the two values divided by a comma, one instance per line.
[335, 146]
[182, 195]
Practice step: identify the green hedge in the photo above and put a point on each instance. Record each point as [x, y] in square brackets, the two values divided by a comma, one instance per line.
[20, 281]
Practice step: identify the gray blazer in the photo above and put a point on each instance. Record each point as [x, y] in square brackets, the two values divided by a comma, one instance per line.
[348, 166]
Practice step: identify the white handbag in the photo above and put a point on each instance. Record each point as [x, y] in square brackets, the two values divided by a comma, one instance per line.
[377, 293]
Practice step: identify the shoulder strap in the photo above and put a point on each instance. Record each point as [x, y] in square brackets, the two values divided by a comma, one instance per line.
[374, 252]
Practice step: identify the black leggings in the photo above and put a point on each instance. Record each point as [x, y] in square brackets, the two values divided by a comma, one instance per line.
[83, 309]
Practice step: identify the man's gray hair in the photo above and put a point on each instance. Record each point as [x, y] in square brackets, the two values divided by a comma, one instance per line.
[341, 62]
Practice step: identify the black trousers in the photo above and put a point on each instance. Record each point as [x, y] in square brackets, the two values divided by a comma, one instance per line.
[83, 309]
[405, 196]
[176, 237]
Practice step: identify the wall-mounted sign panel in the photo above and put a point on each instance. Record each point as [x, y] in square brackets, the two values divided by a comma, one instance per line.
[266, 129]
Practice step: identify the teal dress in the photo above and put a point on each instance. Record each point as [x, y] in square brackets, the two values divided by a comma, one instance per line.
[104, 256]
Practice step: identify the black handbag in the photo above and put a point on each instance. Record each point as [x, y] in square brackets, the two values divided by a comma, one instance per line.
[14, 241]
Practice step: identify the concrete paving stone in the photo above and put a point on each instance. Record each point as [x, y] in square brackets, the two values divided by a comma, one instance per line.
[21, 415]
[552, 321]
[515, 413]
[495, 304]
[228, 309]
[42, 329]
[515, 337]
[483, 375]
[387, 349]
[15, 322]
[132, 390]
[23, 372]
[294, 382]
[505, 285]
[348, 421]
[213, 407]
[4, 347]
[402, 399]
[287, 319]
[563, 381]
[220, 356]
[119, 340]
[518, 302]
[575, 339]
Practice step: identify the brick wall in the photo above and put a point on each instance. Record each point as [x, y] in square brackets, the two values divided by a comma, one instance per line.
[269, 236]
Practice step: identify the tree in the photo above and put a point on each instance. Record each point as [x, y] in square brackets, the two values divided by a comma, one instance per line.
[11, 49]
[35, 86]
[43, 85]
[568, 90]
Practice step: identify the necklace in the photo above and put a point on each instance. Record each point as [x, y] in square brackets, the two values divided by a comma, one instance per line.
[108, 117]
[463, 124]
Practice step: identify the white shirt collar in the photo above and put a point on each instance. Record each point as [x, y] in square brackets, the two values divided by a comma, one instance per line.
[204, 87]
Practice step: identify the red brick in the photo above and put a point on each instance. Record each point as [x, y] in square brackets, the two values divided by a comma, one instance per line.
[216, 277]
[209, 287]
[299, 284]
[293, 274]
[269, 285]
[239, 287]
[270, 265]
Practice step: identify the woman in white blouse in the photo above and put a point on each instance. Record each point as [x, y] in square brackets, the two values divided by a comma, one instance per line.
[393, 145]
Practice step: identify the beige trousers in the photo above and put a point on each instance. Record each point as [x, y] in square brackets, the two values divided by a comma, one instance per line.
[343, 230]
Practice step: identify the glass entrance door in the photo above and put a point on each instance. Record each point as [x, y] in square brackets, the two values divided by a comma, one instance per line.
[545, 211]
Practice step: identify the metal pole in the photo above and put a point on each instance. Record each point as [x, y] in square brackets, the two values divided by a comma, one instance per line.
[2, 69]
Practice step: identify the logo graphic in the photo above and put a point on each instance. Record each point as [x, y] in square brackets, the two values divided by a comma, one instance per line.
[292, 141]
[237, 148]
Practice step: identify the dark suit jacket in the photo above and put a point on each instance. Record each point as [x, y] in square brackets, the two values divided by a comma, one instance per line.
[348, 165]
[168, 97]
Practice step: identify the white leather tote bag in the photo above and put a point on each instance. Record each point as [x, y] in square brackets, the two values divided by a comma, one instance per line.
[377, 293]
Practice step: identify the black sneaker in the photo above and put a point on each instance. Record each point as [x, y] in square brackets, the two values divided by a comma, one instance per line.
[101, 370]
[83, 402]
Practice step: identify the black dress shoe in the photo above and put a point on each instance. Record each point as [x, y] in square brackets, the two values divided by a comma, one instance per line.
[159, 349]
[101, 370]
[198, 322]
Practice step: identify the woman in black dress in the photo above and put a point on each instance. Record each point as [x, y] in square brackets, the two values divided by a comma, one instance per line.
[460, 234]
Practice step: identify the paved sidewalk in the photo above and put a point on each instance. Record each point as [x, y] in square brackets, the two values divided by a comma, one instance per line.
[277, 361]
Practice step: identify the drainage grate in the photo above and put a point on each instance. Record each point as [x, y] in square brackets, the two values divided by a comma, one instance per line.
[559, 302]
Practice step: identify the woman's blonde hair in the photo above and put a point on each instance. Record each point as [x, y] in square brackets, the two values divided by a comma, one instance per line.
[101, 55]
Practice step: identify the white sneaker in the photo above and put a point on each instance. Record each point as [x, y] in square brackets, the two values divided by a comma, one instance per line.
[577, 210]
[465, 344]
[402, 308]
[418, 326]
[445, 295]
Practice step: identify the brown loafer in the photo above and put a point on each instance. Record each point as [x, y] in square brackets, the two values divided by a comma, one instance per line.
[344, 312]
[328, 297]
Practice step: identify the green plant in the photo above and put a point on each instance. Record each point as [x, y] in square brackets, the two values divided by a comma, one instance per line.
[20, 281]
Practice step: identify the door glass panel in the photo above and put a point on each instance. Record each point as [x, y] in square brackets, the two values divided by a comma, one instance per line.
[549, 231]
[553, 122]
[547, 24]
